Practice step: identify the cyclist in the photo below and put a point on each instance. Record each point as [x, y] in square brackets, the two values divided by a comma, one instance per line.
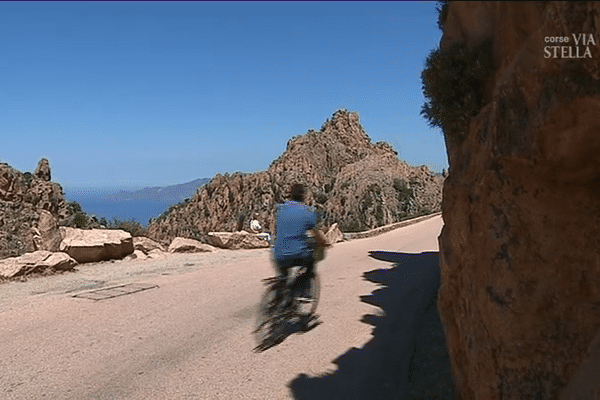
[292, 246]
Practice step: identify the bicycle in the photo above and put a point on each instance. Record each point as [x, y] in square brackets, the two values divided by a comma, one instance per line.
[282, 304]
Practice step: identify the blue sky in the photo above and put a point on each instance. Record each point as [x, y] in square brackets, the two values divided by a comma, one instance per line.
[149, 94]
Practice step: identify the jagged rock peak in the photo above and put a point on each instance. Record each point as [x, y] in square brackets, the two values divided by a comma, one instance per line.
[350, 180]
[43, 170]
[24, 199]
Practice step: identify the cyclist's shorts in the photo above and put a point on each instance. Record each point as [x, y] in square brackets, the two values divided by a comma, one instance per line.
[293, 261]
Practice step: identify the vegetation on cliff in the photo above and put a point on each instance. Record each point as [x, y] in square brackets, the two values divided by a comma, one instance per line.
[454, 83]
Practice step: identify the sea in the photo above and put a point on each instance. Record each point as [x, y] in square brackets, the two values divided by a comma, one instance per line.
[140, 210]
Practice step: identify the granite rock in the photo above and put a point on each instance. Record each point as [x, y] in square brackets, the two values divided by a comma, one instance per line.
[520, 265]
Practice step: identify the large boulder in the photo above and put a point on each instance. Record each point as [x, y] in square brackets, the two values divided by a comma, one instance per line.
[46, 236]
[92, 245]
[144, 249]
[520, 260]
[185, 245]
[37, 261]
[238, 240]
[146, 245]
[137, 255]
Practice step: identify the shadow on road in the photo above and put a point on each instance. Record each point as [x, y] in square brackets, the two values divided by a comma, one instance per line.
[407, 356]
[289, 328]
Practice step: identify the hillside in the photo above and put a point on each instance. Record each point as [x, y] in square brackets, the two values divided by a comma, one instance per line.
[351, 181]
[172, 193]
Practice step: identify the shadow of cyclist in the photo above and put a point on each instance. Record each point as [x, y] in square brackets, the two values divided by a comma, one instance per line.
[288, 329]
[382, 368]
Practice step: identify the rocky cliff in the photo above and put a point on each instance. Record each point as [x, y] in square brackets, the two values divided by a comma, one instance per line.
[30, 208]
[520, 291]
[351, 181]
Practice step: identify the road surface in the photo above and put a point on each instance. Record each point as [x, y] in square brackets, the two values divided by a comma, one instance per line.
[190, 337]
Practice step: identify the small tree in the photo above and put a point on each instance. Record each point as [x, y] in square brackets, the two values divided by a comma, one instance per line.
[131, 226]
[80, 220]
[73, 207]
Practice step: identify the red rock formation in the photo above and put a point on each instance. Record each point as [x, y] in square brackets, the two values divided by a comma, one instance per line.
[351, 181]
[520, 292]
[23, 198]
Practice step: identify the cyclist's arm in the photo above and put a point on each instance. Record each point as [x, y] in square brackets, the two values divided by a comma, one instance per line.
[319, 237]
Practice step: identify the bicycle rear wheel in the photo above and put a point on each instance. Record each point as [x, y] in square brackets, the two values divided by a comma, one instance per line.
[264, 314]
[268, 322]
[307, 308]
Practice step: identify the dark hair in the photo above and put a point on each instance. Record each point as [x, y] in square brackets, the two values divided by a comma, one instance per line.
[297, 192]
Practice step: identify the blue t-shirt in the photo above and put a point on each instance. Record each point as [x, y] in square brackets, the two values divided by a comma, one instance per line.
[293, 220]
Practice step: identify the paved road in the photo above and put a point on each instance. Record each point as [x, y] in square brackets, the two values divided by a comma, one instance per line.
[190, 337]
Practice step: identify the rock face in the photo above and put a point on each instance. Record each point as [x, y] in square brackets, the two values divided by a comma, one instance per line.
[520, 264]
[92, 245]
[23, 198]
[183, 245]
[237, 240]
[351, 181]
[37, 261]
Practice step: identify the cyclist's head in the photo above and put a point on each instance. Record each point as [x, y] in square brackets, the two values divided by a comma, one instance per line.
[297, 192]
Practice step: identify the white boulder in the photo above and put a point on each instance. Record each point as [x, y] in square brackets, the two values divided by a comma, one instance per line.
[238, 240]
[185, 245]
[37, 261]
[92, 245]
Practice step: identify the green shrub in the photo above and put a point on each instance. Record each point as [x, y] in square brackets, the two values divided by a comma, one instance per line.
[73, 208]
[329, 186]
[321, 198]
[403, 192]
[80, 220]
[352, 226]
[27, 177]
[399, 184]
[379, 215]
[367, 200]
[454, 86]
[192, 232]
[131, 226]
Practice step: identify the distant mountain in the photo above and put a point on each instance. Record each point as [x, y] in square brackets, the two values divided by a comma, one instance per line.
[171, 194]
[140, 205]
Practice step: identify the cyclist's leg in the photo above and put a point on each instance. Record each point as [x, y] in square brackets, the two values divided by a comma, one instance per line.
[283, 266]
[304, 280]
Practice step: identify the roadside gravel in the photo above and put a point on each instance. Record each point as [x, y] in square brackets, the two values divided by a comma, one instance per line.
[115, 272]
